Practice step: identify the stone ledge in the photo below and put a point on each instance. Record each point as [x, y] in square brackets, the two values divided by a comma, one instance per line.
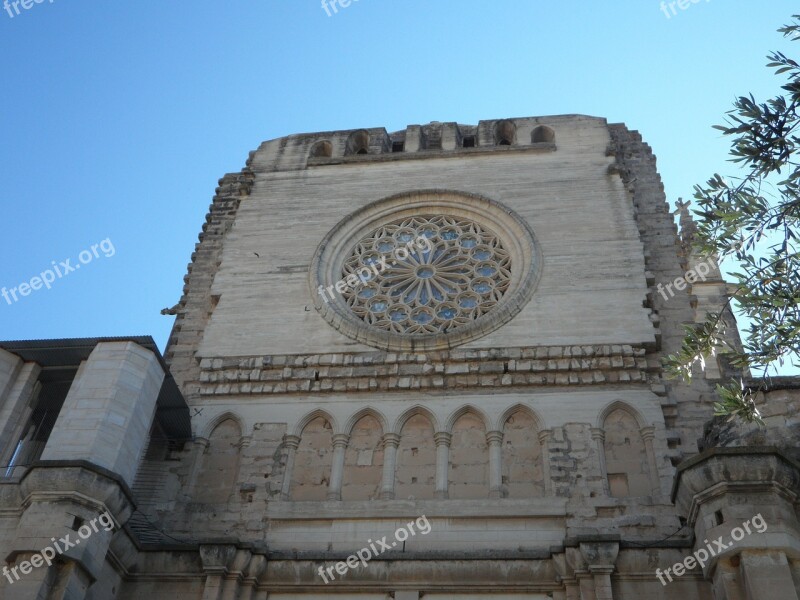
[539, 366]
[547, 507]
[535, 148]
[443, 555]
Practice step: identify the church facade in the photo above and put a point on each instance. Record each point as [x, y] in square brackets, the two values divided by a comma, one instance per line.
[419, 364]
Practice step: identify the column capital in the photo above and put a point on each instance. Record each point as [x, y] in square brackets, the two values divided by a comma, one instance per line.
[545, 435]
[391, 439]
[601, 569]
[341, 440]
[494, 437]
[291, 441]
[648, 433]
[442, 439]
[598, 433]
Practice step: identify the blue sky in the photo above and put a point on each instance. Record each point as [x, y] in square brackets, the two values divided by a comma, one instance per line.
[119, 117]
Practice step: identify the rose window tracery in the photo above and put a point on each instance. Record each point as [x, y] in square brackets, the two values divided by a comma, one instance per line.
[426, 274]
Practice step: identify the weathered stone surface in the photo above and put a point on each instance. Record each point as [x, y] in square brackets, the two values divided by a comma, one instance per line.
[541, 454]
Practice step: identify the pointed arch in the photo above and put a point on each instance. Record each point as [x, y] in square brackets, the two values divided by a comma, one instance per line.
[519, 407]
[302, 423]
[620, 405]
[219, 463]
[468, 472]
[321, 149]
[466, 409]
[209, 428]
[415, 473]
[543, 134]
[357, 143]
[629, 470]
[363, 464]
[523, 470]
[364, 412]
[411, 412]
[313, 458]
[505, 133]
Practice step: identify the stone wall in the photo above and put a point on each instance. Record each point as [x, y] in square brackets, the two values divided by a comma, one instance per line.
[549, 456]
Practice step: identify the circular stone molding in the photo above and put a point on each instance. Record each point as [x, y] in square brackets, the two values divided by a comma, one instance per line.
[427, 270]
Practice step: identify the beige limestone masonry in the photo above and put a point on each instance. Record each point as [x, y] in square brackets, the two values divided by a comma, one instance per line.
[550, 456]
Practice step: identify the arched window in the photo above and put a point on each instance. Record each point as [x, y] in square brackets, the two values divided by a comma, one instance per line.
[357, 143]
[543, 133]
[468, 475]
[363, 464]
[220, 464]
[522, 461]
[312, 463]
[505, 133]
[416, 460]
[627, 464]
[322, 149]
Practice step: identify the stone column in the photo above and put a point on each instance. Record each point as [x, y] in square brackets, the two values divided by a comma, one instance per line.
[648, 435]
[215, 560]
[108, 411]
[767, 570]
[599, 436]
[600, 558]
[572, 589]
[566, 576]
[718, 491]
[199, 446]
[391, 441]
[545, 435]
[291, 442]
[442, 440]
[255, 569]
[65, 581]
[726, 581]
[495, 441]
[340, 441]
[585, 585]
[602, 581]
[93, 495]
[234, 574]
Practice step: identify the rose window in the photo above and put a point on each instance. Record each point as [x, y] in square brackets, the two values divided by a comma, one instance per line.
[426, 274]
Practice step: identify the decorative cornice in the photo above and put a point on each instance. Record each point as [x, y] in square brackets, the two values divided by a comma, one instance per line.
[442, 369]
